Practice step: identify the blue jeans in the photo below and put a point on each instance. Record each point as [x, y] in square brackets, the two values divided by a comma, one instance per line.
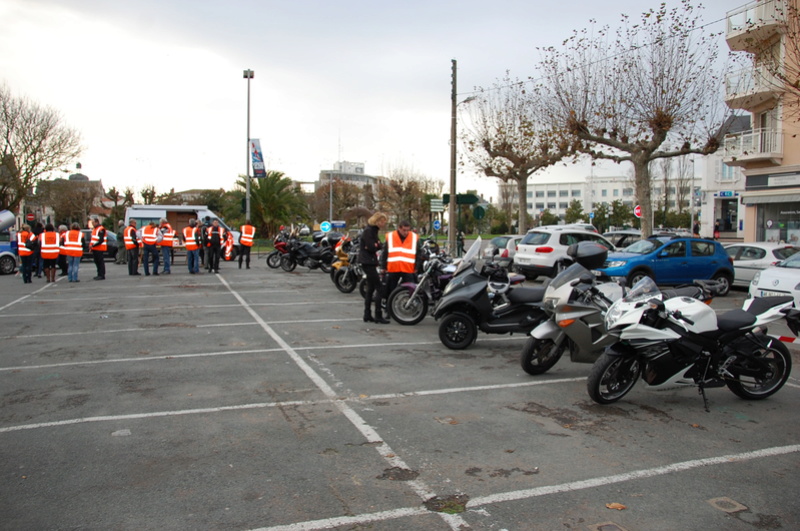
[166, 253]
[193, 261]
[150, 251]
[73, 264]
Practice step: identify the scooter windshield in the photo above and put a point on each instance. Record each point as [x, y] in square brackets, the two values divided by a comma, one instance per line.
[568, 275]
[644, 290]
[472, 252]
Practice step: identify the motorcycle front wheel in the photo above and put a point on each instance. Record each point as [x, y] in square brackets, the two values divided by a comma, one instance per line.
[612, 377]
[274, 259]
[539, 355]
[457, 331]
[287, 263]
[763, 374]
[405, 310]
[344, 280]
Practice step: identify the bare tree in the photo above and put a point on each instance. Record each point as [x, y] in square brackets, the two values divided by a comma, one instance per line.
[148, 194]
[405, 195]
[506, 137]
[648, 91]
[35, 141]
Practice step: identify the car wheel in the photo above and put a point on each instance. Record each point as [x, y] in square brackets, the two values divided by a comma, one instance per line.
[724, 283]
[636, 276]
[7, 265]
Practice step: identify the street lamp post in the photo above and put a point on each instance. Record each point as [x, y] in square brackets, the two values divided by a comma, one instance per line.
[248, 75]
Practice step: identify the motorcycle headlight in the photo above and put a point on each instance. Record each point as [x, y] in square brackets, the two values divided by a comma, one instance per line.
[756, 278]
[612, 316]
[617, 263]
[550, 304]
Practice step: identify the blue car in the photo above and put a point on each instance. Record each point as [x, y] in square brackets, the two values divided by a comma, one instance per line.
[671, 261]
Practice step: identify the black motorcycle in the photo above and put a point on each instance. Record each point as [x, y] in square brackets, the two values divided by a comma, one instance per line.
[485, 299]
[408, 304]
[308, 255]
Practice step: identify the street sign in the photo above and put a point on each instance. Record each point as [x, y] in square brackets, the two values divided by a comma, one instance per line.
[591, 215]
[637, 211]
[437, 225]
[462, 199]
[478, 212]
[30, 216]
[325, 226]
[338, 224]
[437, 205]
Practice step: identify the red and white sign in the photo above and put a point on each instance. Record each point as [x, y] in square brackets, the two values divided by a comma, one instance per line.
[637, 211]
[30, 216]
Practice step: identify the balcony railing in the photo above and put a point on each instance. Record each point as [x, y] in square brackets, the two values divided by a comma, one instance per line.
[754, 22]
[754, 145]
[750, 87]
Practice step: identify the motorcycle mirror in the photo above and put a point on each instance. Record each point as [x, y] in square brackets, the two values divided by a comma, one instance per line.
[587, 278]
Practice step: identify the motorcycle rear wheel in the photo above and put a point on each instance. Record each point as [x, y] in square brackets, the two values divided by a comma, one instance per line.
[344, 280]
[326, 268]
[457, 331]
[405, 310]
[612, 377]
[539, 355]
[776, 363]
[274, 259]
[287, 263]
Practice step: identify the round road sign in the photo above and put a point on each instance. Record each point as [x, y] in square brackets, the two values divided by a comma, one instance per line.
[30, 216]
[325, 226]
[637, 211]
[437, 224]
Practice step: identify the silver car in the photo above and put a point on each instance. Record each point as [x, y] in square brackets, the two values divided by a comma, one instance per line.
[750, 258]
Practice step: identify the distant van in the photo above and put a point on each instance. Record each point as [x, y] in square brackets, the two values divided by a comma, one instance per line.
[177, 216]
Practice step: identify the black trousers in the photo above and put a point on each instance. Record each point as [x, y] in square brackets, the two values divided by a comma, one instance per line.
[244, 250]
[374, 290]
[212, 258]
[133, 260]
[100, 262]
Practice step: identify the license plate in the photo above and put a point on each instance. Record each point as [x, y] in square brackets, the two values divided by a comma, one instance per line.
[766, 293]
[521, 260]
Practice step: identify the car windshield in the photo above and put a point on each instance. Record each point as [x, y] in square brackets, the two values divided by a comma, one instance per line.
[535, 238]
[643, 247]
[793, 262]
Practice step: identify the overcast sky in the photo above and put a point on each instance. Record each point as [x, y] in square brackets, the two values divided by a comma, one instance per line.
[156, 88]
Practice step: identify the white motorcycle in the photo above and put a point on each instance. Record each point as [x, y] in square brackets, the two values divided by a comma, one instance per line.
[682, 342]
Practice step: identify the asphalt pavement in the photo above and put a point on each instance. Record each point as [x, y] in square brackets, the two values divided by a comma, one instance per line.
[259, 399]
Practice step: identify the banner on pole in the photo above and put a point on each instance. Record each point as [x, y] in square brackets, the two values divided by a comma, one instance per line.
[259, 172]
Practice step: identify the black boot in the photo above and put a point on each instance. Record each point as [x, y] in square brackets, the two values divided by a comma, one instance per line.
[379, 315]
[368, 317]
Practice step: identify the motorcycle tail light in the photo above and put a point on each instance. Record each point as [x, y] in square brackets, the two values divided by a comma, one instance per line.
[565, 322]
[544, 250]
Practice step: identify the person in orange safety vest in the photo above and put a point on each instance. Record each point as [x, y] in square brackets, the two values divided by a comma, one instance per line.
[132, 242]
[192, 241]
[26, 243]
[150, 237]
[73, 248]
[400, 259]
[246, 242]
[166, 244]
[49, 245]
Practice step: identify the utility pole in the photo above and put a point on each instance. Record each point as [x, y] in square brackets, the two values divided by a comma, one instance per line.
[452, 217]
[248, 75]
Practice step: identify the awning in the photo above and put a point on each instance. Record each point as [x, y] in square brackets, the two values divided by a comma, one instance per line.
[763, 199]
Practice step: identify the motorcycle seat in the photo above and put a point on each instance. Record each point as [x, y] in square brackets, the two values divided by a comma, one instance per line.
[693, 292]
[762, 304]
[525, 295]
[734, 320]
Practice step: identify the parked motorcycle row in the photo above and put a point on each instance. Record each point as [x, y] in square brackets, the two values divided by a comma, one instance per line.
[666, 338]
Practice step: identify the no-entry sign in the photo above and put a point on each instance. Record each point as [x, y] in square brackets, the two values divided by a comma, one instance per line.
[637, 211]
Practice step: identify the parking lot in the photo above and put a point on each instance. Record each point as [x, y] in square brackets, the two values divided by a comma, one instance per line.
[259, 399]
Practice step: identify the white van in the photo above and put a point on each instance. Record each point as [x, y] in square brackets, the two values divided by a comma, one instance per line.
[177, 215]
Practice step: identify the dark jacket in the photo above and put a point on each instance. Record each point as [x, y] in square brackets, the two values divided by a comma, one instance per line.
[369, 245]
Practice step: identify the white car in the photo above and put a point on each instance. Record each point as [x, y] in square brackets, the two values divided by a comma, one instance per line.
[500, 244]
[779, 280]
[750, 258]
[543, 250]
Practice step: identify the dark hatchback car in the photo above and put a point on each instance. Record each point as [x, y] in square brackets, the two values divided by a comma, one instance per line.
[111, 247]
[671, 261]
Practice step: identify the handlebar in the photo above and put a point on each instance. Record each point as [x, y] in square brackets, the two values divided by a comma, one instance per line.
[678, 315]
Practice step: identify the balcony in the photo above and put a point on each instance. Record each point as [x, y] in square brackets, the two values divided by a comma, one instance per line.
[754, 23]
[750, 87]
[756, 145]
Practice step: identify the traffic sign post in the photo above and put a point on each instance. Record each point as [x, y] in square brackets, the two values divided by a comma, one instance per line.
[325, 226]
[637, 211]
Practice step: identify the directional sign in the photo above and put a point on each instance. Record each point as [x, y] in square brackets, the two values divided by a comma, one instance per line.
[637, 211]
[437, 205]
[591, 215]
[437, 225]
[462, 199]
[325, 226]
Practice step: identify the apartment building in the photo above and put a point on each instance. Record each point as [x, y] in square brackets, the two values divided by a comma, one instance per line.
[768, 152]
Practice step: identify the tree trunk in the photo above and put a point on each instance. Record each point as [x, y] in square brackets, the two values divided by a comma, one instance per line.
[522, 200]
[641, 171]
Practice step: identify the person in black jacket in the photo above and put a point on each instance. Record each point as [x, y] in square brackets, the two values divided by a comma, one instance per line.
[368, 248]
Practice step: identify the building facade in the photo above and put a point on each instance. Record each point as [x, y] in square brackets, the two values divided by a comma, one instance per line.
[768, 152]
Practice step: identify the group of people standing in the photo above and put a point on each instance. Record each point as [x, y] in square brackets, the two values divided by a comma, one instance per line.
[398, 259]
[46, 250]
[49, 249]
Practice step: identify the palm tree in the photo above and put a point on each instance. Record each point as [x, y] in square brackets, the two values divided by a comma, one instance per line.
[274, 201]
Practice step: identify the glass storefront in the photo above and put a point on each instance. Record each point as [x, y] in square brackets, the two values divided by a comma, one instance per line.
[778, 222]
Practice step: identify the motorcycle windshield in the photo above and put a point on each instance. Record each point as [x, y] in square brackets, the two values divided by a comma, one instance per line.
[644, 290]
[571, 273]
[469, 258]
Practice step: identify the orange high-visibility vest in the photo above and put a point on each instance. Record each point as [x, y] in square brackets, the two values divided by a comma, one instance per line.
[167, 235]
[96, 240]
[23, 239]
[401, 255]
[228, 247]
[130, 237]
[149, 235]
[49, 245]
[190, 238]
[248, 232]
[73, 243]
